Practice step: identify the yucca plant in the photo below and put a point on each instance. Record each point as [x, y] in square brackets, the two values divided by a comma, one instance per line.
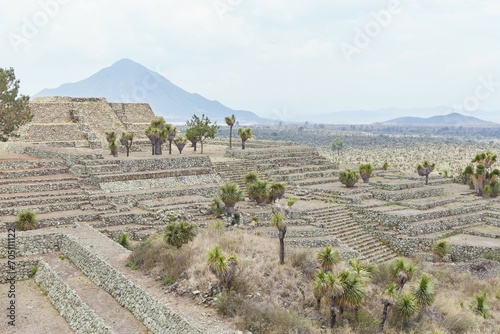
[388, 296]
[250, 178]
[276, 191]
[178, 234]
[230, 122]
[26, 220]
[365, 170]
[328, 258]
[406, 306]
[425, 169]
[320, 287]
[180, 142]
[230, 194]
[480, 306]
[245, 134]
[126, 140]
[278, 221]
[349, 178]
[224, 268]
[258, 191]
[217, 207]
[362, 269]
[402, 271]
[424, 291]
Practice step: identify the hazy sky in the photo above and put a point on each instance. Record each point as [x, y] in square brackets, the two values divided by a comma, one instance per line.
[269, 56]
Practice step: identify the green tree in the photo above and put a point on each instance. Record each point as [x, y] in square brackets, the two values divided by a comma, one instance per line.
[348, 177]
[26, 220]
[180, 142]
[337, 145]
[245, 134]
[126, 140]
[178, 234]
[202, 128]
[192, 136]
[14, 108]
[389, 296]
[328, 258]
[365, 170]
[230, 194]
[278, 221]
[424, 169]
[230, 122]
[223, 267]
[157, 134]
[276, 191]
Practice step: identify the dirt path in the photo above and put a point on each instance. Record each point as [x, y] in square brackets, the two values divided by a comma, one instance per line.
[34, 312]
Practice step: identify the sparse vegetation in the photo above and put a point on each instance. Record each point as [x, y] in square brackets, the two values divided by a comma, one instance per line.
[26, 220]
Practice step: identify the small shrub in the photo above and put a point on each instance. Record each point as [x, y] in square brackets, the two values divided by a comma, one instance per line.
[291, 201]
[33, 271]
[166, 280]
[131, 265]
[62, 257]
[255, 218]
[441, 248]
[26, 220]
[480, 306]
[217, 227]
[348, 178]
[178, 234]
[229, 303]
[124, 240]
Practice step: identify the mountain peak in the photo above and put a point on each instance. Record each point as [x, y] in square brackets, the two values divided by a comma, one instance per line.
[129, 81]
[453, 119]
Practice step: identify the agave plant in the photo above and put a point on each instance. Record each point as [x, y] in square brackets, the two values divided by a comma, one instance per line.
[349, 178]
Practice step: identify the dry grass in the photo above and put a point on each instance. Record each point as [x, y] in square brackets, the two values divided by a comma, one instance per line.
[270, 298]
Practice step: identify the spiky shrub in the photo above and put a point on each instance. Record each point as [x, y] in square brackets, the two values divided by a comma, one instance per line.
[222, 266]
[328, 258]
[401, 272]
[113, 148]
[385, 165]
[278, 221]
[365, 170]
[480, 306]
[406, 306]
[276, 191]
[230, 194]
[178, 234]
[258, 191]
[291, 201]
[245, 134]
[123, 239]
[348, 178]
[424, 291]
[250, 178]
[388, 297]
[441, 248]
[26, 220]
[217, 207]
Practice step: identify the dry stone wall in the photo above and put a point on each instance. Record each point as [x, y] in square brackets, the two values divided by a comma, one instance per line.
[80, 317]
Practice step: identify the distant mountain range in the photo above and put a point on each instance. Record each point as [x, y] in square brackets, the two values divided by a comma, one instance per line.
[128, 81]
[383, 115]
[453, 119]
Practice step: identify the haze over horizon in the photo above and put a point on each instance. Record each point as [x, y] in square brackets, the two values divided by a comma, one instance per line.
[277, 59]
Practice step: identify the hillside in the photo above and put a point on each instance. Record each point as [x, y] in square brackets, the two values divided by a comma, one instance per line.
[454, 119]
[128, 81]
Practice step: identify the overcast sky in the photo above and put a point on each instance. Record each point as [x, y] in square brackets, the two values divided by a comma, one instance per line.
[269, 56]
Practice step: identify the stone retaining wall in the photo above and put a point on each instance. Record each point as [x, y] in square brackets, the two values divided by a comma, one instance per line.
[80, 317]
[396, 196]
[153, 313]
[23, 270]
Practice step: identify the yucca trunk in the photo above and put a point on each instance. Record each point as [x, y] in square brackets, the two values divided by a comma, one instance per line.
[231, 136]
[333, 315]
[243, 144]
[384, 316]
[282, 233]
